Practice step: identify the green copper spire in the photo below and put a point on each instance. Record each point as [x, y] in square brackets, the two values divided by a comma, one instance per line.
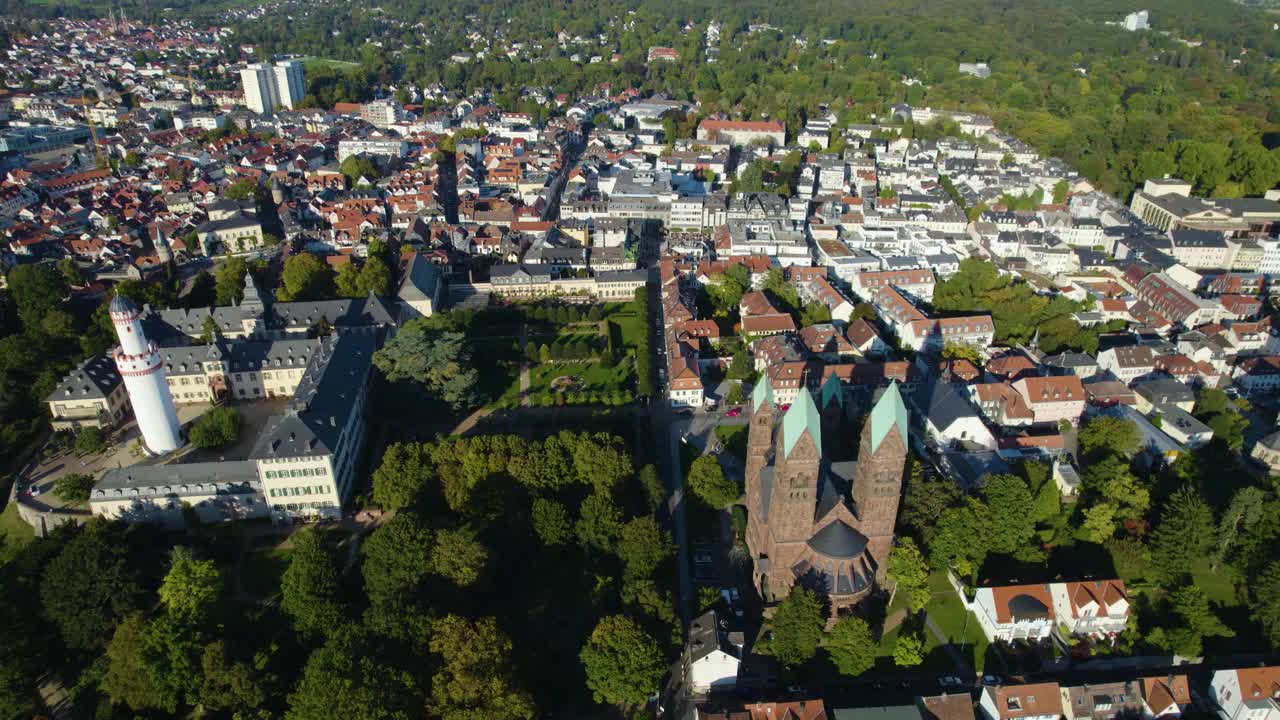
[832, 390]
[888, 414]
[801, 418]
[761, 393]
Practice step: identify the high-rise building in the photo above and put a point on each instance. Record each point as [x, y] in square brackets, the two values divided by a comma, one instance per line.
[812, 520]
[290, 88]
[142, 368]
[268, 87]
[259, 84]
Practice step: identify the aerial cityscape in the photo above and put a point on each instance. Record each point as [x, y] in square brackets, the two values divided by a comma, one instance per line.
[866, 360]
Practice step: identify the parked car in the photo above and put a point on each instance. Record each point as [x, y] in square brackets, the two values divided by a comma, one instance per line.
[784, 407]
[950, 681]
[733, 412]
[992, 680]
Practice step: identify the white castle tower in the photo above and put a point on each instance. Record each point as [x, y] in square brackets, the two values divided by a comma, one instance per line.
[139, 363]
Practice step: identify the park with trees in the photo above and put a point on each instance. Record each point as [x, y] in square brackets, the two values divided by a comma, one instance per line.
[510, 578]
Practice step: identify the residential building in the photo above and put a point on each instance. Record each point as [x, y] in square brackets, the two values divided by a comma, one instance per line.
[1054, 398]
[1128, 363]
[1247, 693]
[1014, 612]
[1267, 452]
[743, 132]
[712, 655]
[1094, 608]
[1040, 701]
[92, 395]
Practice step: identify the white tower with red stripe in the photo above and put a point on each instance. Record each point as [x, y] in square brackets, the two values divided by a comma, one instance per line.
[141, 367]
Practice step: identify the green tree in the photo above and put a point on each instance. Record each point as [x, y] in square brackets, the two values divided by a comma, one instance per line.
[128, 678]
[708, 482]
[191, 587]
[907, 568]
[400, 478]
[347, 281]
[397, 557]
[305, 277]
[475, 679]
[1099, 522]
[1107, 434]
[228, 684]
[459, 556]
[1011, 527]
[241, 190]
[908, 651]
[1194, 622]
[36, 290]
[309, 591]
[643, 547]
[74, 488]
[599, 522]
[217, 427]
[655, 493]
[351, 677]
[90, 585]
[90, 441]
[851, 646]
[439, 360]
[1184, 535]
[623, 663]
[962, 351]
[356, 167]
[375, 277]
[1264, 605]
[551, 522]
[229, 281]
[797, 627]
[960, 541]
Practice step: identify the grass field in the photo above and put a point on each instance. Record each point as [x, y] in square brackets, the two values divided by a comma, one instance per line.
[328, 62]
[16, 531]
[956, 623]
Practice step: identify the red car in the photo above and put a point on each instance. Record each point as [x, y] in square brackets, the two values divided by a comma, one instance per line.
[735, 412]
[784, 407]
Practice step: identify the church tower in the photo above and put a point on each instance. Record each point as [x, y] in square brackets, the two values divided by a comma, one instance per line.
[797, 466]
[759, 444]
[140, 365]
[877, 482]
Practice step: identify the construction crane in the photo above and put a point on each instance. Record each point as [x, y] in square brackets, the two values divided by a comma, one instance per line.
[93, 130]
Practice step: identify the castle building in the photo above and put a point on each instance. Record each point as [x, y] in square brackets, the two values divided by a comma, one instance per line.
[139, 363]
[812, 521]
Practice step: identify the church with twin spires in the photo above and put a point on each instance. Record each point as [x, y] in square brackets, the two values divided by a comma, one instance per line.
[817, 522]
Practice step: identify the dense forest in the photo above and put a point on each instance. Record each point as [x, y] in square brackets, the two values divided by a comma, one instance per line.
[515, 578]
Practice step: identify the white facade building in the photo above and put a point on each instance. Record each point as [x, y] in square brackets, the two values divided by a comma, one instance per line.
[268, 87]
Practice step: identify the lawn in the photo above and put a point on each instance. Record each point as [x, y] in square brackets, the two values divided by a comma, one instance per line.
[15, 530]
[328, 62]
[956, 623]
[626, 330]
[592, 377]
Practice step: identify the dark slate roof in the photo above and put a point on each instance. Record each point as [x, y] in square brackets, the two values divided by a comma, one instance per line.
[838, 540]
[350, 312]
[121, 304]
[943, 405]
[837, 479]
[1070, 360]
[1164, 391]
[421, 278]
[179, 480]
[323, 401]
[706, 635]
[96, 378]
